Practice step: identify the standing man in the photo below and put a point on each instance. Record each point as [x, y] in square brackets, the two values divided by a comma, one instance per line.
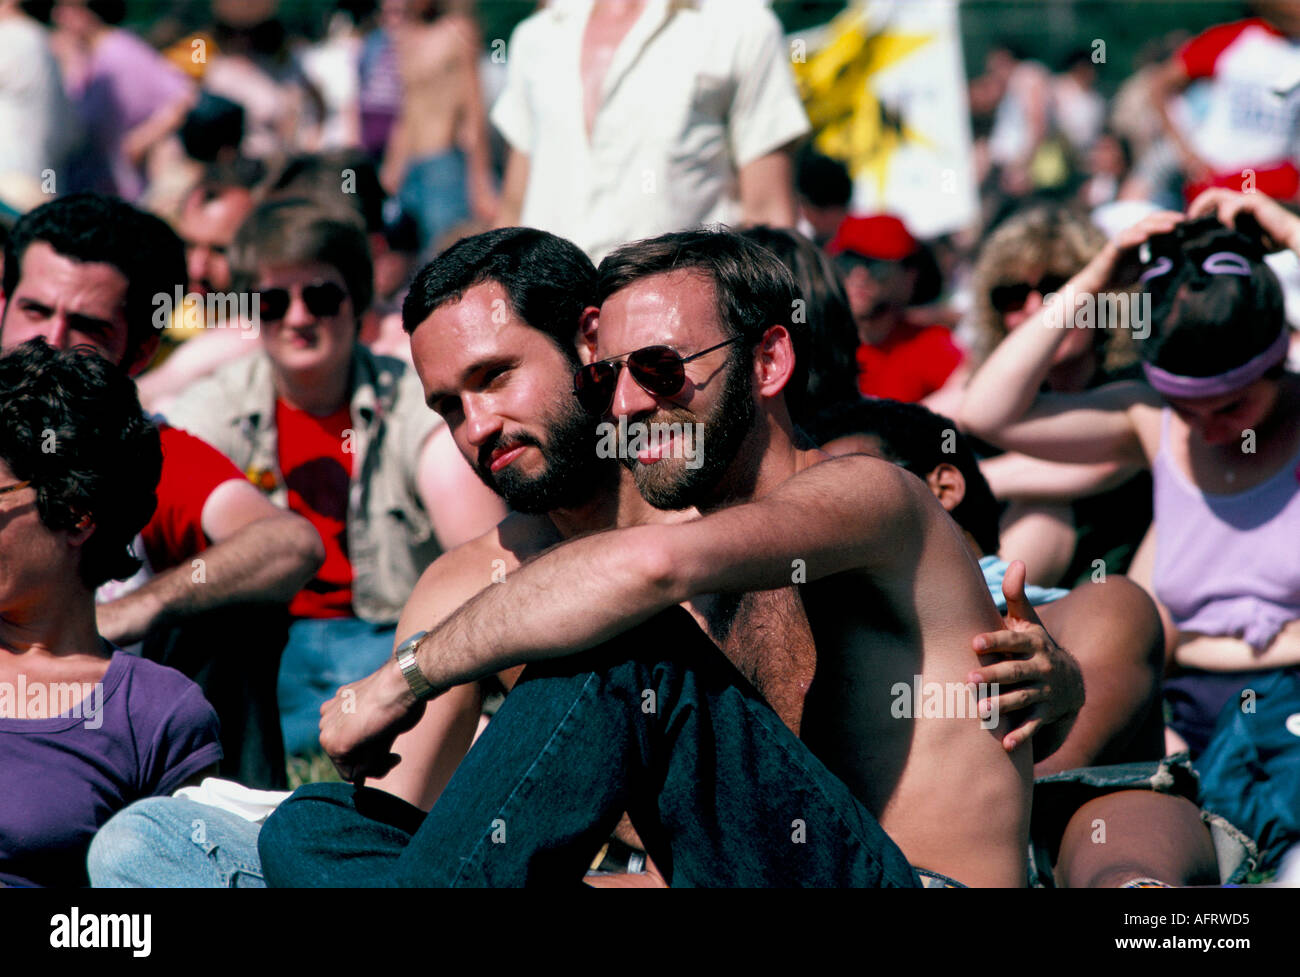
[678, 114]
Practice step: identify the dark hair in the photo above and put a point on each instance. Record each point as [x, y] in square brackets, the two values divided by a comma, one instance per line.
[915, 438]
[1205, 323]
[753, 288]
[295, 231]
[821, 180]
[71, 422]
[338, 178]
[829, 362]
[109, 11]
[93, 227]
[215, 123]
[549, 281]
[241, 173]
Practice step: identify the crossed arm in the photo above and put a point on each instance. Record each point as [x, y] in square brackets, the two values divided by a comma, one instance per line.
[849, 513]
[259, 553]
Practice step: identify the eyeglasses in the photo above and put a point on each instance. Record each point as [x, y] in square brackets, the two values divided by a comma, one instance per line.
[15, 487]
[880, 269]
[658, 370]
[322, 299]
[1012, 298]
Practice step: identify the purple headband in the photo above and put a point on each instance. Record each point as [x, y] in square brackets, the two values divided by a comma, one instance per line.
[1173, 385]
[1219, 263]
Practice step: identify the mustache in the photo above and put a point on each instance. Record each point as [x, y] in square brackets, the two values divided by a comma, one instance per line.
[506, 443]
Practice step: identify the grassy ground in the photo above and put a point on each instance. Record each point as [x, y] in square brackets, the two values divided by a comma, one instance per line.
[312, 768]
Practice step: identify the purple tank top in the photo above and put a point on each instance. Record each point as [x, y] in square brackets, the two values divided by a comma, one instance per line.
[1227, 565]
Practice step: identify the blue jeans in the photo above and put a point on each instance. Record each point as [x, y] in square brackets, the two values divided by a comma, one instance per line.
[173, 843]
[719, 789]
[322, 655]
[435, 194]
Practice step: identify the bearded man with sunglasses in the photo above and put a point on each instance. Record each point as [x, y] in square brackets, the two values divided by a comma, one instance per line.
[340, 436]
[628, 704]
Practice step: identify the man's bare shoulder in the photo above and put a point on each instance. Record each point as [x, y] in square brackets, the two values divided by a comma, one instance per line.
[459, 574]
[880, 480]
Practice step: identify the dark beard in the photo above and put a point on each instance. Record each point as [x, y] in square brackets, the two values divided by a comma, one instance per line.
[668, 483]
[572, 472]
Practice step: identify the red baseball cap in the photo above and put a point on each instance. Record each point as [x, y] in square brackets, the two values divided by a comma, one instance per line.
[881, 236]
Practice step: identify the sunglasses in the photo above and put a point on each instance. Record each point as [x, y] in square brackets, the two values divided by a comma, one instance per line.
[322, 299]
[658, 370]
[1012, 298]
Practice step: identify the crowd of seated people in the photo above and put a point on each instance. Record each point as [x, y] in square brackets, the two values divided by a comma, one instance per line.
[685, 553]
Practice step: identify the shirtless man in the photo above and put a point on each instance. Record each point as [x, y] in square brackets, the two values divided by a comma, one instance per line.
[806, 511]
[437, 158]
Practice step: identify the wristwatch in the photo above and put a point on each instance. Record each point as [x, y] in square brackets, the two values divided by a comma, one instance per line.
[405, 655]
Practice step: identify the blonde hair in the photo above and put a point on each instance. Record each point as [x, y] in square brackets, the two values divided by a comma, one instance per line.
[1056, 241]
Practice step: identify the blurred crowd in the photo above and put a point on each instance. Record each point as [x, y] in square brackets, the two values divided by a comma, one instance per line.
[240, 219]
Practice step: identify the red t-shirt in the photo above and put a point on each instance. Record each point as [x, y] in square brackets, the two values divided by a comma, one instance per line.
[316, 461]
[191, 470]
[912, 363]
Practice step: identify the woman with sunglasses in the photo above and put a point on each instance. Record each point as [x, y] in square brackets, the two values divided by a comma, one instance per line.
[342, 437]
[1060, 518]
[1217, 419]
[85, 729]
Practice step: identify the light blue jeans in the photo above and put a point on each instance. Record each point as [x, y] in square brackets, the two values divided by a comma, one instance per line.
[172, 843]
[322, 655]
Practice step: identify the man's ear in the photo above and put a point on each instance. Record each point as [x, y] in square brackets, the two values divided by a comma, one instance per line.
[774, 361]
[587, 325]
[143, 356]
[948, 485]
[82, 531]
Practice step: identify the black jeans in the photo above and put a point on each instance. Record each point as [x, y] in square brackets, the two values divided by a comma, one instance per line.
[656, 723]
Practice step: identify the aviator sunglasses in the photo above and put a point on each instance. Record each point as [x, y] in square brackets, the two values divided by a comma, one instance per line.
[658, 370]
[322, 299]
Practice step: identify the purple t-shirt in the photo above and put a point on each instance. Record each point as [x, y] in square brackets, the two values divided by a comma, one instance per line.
[126, 82]
[60, 779]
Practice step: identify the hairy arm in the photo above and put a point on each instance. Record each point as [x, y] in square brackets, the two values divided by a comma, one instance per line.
[835, 516]
[258, 553]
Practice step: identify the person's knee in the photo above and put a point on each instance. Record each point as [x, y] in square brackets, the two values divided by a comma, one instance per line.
[130, 840]
[292, 824]
[1120, 618]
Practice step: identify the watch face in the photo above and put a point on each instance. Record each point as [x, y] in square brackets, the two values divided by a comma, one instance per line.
[410, 643]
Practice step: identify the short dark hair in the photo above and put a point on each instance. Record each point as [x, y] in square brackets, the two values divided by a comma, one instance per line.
[336, 178]
[549, 281]
[753, 288]
[822, 180]
[916, 438]
[71, 422]
[297, 231]
[1205, 323]
[94, 227]
[830, 366]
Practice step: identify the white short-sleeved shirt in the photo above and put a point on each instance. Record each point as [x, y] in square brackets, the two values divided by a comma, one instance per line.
[692, 95]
